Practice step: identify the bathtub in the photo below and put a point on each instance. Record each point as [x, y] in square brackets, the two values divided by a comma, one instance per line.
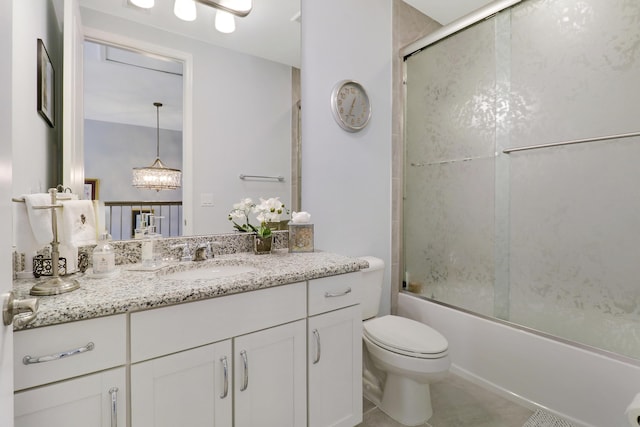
[588, 388]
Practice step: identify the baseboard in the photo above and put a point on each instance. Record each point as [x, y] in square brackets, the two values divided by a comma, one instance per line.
[510, 396]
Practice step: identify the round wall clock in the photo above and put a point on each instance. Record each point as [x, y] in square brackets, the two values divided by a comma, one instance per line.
[350, 105]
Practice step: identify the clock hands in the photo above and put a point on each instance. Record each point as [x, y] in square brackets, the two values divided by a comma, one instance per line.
[351, 109]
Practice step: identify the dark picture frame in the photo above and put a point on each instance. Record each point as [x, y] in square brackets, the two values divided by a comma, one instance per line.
[46, 85]
[91, 189]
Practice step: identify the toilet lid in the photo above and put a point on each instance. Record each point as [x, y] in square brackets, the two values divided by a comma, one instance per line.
[405, 336]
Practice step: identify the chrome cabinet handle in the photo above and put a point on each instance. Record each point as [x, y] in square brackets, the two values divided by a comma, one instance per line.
[18, 311]
[225, 376]
[113, 391]
[316, 334]
[245, 364]
[28, 360]
[337, 294]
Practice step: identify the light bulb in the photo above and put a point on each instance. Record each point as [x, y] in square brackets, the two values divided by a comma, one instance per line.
[225, 23]
[145, 4]
[185, 9]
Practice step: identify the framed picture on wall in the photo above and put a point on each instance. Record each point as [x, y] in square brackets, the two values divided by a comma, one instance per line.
[91, 189]
[46, 85]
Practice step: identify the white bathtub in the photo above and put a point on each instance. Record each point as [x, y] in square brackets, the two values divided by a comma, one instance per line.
[585, 387]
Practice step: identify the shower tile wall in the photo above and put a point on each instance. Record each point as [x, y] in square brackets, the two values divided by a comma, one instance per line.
[546, 238]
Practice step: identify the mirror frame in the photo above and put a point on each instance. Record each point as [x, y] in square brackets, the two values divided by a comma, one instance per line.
[135, 45]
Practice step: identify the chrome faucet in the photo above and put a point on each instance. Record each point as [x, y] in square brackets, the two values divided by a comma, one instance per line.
[203, 251]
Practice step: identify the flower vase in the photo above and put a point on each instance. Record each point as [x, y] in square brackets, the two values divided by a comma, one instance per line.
[262, 245]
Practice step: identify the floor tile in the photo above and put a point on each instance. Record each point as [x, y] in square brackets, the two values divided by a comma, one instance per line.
[458, 403]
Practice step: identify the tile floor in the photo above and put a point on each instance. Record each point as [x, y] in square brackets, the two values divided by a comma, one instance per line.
[459, 403]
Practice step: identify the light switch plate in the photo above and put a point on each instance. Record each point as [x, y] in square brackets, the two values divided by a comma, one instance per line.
[206, 199]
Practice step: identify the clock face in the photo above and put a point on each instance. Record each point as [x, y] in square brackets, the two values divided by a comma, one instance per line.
[350, 105]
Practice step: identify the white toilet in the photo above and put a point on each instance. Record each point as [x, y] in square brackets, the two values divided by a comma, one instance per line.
[401, 356]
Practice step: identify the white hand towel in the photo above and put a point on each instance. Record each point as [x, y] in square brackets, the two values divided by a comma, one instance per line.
[24, 240]
[78, 223]
[40, 219]
[70, 253]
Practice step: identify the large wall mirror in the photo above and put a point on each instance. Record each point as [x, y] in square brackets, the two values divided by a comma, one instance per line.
[227, 111]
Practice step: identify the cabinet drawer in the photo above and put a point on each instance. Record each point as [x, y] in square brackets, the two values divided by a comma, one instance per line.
[64, 351]
[179, 327]
[331, 293]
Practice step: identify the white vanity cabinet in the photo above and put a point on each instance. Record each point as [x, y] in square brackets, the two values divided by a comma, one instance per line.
[192, 387]
[282, 356]
[71, 375]
[335, 351]
[179, 353]
[270, 377]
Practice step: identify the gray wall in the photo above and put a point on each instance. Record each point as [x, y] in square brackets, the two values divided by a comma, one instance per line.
[112, 150]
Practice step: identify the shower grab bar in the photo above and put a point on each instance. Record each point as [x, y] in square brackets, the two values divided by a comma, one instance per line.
[278, 178]
[571, 142]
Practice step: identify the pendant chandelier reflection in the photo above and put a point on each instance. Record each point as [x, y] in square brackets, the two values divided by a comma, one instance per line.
[158, 176]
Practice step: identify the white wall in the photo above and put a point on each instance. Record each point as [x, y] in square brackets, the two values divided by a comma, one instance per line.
[34, 142]
[106, 142]
[346, 177]
[241, 120]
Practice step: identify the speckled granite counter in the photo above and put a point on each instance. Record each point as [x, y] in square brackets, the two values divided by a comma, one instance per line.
[136, 290]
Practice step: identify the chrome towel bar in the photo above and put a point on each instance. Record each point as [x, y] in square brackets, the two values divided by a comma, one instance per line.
[571, 142]
[275, 178]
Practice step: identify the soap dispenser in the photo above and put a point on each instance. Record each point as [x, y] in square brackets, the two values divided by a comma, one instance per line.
[104, 259]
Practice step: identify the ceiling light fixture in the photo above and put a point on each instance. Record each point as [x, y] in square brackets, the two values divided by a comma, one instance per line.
[226, 11]
[145, 4]
[225, 22]
[157, 176]
[185, 10]
[239, 8]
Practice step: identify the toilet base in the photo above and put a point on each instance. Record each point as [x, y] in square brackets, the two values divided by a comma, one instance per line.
[406, 401]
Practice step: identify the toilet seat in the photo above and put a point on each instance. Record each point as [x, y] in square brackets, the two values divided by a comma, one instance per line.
[405, 336]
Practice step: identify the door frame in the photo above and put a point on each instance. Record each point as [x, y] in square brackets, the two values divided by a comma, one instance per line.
[118, 40]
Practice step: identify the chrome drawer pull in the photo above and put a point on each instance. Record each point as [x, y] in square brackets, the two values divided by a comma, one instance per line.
[225, 375]
[316, 334]
[337, 294]
[28, 360]
[245, 364]
[113, 391]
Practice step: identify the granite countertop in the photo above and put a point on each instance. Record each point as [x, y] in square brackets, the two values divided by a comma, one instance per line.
[131, 290]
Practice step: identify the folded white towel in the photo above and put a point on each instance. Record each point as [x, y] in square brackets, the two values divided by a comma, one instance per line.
[78, 223]
[24, 240]
[40, 219]
[69, 253]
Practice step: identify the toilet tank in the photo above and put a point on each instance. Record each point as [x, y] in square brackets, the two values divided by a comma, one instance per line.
[372, 287]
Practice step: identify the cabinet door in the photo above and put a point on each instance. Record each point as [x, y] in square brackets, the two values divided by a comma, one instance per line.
[96, 400]
[270, 377]
[190, 388]
[335, 368]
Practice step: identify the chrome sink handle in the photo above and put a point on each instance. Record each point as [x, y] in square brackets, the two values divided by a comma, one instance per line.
[203, 251]
[186, 254]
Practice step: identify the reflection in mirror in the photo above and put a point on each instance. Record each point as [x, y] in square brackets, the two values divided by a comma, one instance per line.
[239, 115]
[121, 133]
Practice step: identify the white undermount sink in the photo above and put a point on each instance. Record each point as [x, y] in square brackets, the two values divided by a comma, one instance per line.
[211, 272]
